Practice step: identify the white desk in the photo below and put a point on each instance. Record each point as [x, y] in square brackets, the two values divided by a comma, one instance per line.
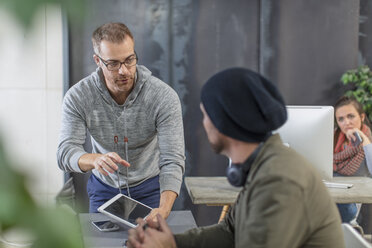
[361, 192]
[217, 191]
[178, 221]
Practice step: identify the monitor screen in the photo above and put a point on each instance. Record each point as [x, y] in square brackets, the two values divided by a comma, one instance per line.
[309, 131]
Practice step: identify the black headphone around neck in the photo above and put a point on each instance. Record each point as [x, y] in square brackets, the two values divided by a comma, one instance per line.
[237, 173]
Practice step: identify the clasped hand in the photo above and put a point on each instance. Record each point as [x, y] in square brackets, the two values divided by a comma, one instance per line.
[151, 234]
[350, 136]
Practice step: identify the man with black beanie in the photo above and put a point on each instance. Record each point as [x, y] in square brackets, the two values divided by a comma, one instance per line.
[283, 202]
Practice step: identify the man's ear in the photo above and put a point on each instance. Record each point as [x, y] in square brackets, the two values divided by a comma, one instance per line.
[96, 59]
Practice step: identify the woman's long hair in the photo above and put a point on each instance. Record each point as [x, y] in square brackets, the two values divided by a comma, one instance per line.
[343, 101]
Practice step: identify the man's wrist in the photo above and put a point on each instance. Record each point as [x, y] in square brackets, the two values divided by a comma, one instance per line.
[86, 161]
[167, 198]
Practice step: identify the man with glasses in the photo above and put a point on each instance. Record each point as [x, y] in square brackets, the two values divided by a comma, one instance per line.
[134, 122]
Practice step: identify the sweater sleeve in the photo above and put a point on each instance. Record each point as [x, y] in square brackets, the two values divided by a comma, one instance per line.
[212, 236]
[169, 127]
[218, 235]
[368, 155]
[72, 135]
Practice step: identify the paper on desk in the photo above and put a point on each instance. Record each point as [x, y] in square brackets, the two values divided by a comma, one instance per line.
[337, 185]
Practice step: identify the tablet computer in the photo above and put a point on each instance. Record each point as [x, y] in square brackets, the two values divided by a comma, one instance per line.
[125, 209]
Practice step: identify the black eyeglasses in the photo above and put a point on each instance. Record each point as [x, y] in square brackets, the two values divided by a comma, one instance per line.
[114, 65]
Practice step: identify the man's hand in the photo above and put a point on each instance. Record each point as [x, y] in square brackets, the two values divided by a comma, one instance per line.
[137, 235]
[155, 211]
[156, 235]
[104, 163]
[107, 163]
[167, 198]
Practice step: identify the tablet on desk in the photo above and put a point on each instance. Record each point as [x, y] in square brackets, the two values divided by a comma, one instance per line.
[125, 209]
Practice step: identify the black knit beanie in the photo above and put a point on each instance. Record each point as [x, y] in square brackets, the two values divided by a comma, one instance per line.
[243, 104]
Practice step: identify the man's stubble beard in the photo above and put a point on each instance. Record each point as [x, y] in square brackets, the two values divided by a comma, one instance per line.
[218, 146]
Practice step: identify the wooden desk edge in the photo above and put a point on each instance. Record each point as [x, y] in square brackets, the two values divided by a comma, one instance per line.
[338, 199]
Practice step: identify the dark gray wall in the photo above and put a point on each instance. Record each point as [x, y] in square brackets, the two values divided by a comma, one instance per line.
[303, 46]
[365, 33]
[311, 44]
[365, 57]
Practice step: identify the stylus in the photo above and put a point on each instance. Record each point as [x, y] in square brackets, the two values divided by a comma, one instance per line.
[126, 158]
[125, 243]
[116, 140]
[117, 174]
[147, 225]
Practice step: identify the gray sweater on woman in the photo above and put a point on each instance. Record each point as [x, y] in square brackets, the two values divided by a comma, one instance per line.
[151, 119]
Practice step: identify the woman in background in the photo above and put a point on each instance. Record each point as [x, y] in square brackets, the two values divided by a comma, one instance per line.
[351, 157]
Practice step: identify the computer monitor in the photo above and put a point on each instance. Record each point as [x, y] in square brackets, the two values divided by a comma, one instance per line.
[309, 131]
[352, 238]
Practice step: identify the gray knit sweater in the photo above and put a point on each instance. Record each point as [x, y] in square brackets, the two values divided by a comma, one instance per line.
[151, 118]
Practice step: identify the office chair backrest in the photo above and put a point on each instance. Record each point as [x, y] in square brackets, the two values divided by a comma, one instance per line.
[353, 239]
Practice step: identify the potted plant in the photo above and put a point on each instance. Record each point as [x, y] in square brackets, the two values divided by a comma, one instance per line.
[361, 80]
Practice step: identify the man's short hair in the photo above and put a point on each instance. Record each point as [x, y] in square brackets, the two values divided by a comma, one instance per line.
[114, 32]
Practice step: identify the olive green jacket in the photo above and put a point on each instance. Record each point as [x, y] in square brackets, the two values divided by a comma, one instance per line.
[282, 204]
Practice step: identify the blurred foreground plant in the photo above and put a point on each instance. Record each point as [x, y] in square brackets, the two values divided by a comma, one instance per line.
[24, 10]
[51, 227]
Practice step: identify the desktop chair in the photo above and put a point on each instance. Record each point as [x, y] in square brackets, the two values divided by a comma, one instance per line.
[74, 192]
[352, 238]
[66, 196]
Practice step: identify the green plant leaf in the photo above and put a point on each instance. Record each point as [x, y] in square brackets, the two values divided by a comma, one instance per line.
[345, 78]
[364, 69]
[350, 77]
[349, 93]
[361, 77]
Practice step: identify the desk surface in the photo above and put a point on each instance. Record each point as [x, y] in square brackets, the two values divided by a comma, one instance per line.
[218, 191]
[178, 221]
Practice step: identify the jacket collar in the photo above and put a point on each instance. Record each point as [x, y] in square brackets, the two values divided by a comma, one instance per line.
[265, 152]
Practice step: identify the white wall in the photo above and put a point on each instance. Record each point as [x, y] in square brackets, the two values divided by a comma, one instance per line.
[30, 97]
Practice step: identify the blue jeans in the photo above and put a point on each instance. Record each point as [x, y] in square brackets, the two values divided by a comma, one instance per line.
[147, 192]
[347, 211]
